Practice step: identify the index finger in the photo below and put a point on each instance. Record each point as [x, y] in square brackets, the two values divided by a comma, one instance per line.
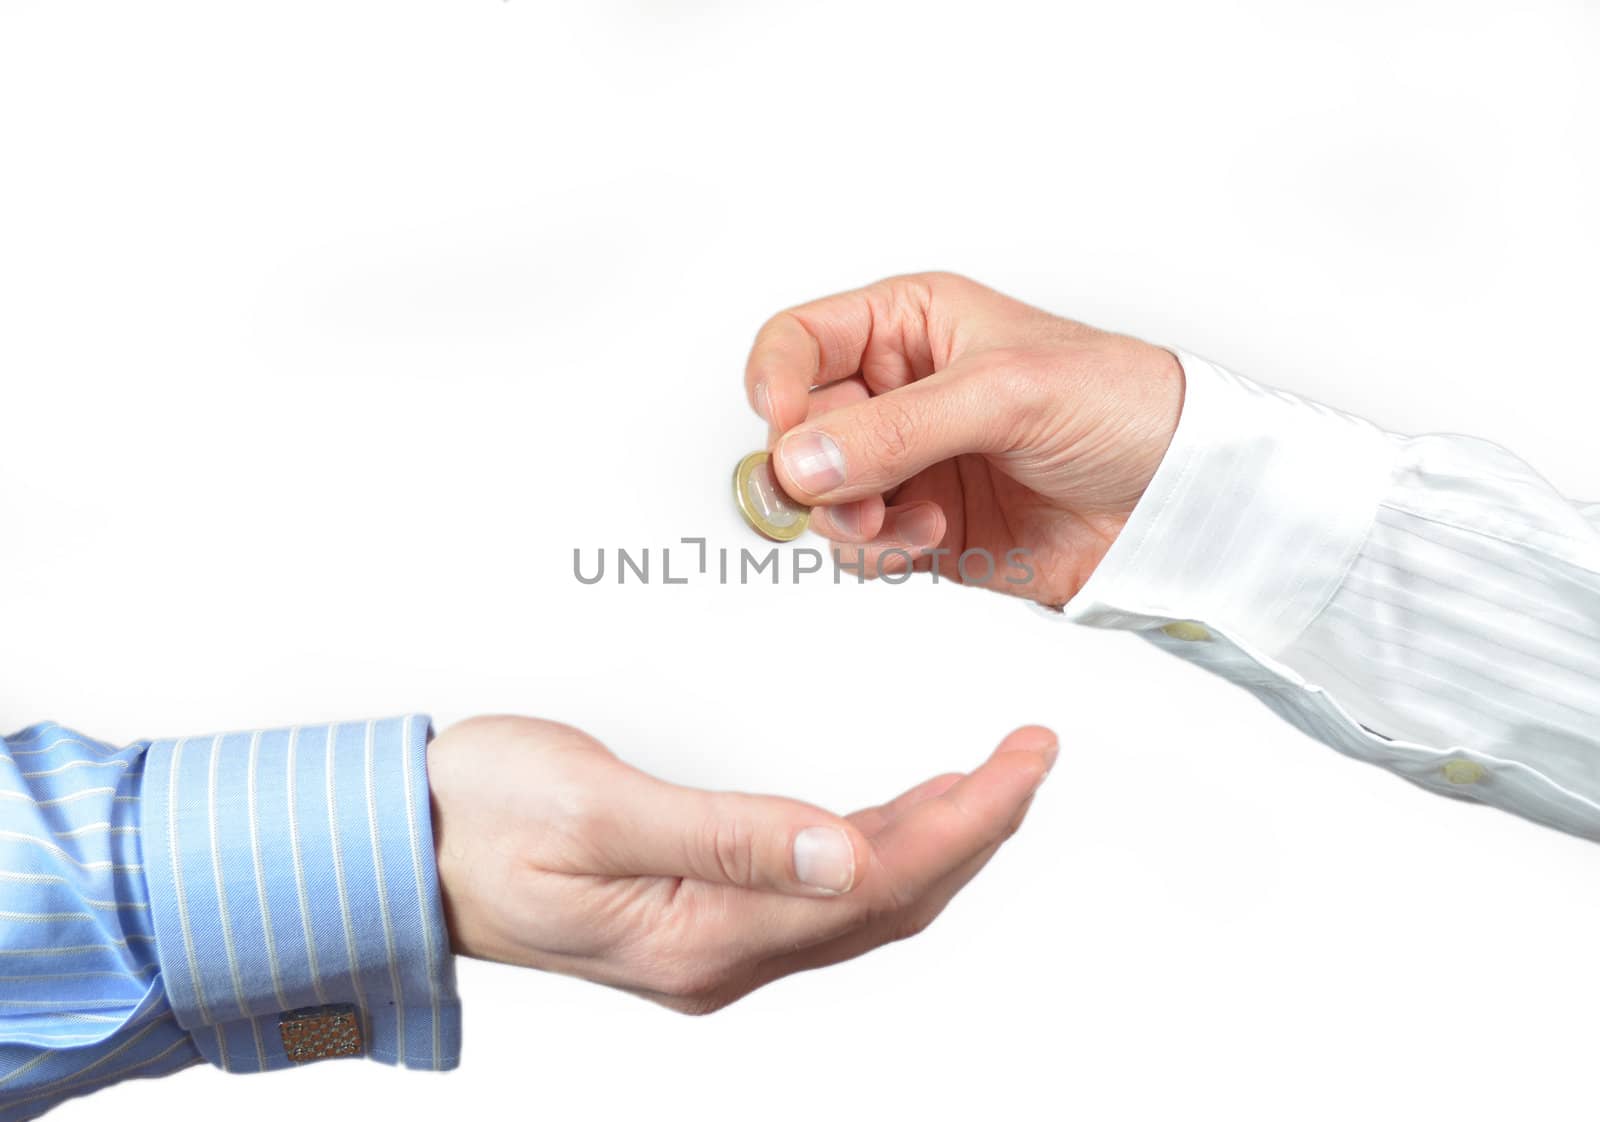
[830, 339]
[942, 834]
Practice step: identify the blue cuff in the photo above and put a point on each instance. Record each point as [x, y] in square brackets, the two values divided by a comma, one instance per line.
[292, 868]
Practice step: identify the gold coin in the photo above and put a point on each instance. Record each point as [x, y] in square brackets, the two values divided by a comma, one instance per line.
[770, 512]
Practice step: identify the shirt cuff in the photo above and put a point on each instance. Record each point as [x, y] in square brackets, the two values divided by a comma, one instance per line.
[294, 868]
[1252, 519]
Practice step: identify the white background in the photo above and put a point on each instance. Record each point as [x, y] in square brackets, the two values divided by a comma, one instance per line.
[328, 331]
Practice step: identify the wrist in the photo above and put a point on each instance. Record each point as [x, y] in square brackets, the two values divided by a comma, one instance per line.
[1154, 413]
[450, 849]
[1251, 518]
[1146, 402]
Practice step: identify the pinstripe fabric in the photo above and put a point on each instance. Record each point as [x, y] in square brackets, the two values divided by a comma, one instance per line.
[81, 999]
[163, 904]
[1427, 604]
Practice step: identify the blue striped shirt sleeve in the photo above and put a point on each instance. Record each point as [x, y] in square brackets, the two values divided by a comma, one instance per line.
[168, 902]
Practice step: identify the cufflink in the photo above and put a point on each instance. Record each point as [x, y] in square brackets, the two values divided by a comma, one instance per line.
[321, 1032]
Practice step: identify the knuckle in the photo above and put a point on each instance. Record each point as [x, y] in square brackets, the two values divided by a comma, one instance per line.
[577, 808]
[776, 325]
[729, 844]
[773, 343]
[929, 281]
[902, 302]
[944, 278]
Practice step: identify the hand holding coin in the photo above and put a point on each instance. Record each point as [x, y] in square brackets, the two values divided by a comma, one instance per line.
[931, 415]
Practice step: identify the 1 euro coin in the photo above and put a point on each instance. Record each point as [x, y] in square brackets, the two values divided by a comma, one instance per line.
[770, 512]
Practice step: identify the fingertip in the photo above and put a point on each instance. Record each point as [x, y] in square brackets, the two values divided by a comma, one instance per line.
[1030, 738]
[1036, 740]
[849, 522]
[780, 372]
[772, 402]
[918, 526]
[786, 405]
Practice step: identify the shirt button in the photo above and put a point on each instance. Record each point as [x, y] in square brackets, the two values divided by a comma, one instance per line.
[1188, 630]
[1463, 772]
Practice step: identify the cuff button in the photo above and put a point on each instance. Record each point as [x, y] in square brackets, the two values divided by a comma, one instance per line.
[1463, 772]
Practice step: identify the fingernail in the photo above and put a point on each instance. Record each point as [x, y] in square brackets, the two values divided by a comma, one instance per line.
[823, 859]
[847, 518]
[918, 526]
[763, 403]
[813, 461]
[1048, 750]
[1049, 754]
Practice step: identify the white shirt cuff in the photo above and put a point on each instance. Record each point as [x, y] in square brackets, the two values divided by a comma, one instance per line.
[1252, 519]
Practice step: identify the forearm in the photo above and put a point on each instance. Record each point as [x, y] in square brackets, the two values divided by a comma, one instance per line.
[1428, 604]
[202, 891]
[82, 1002]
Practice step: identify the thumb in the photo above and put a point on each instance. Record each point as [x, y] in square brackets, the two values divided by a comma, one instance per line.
[867, 448]
[745, 841]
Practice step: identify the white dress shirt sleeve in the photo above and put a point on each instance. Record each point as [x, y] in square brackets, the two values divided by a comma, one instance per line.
[1428, 604]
